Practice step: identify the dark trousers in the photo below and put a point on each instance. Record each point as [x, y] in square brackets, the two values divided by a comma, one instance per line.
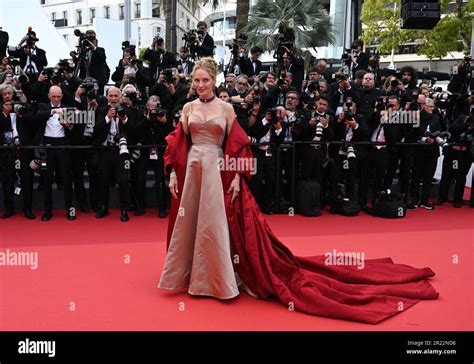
[363, 172]
[286, 179]
[143, 164]
[263, 184]
[423, 171]
[112, 163]
[349, 167]
[83, 159]
[380, 163]
[406, 157]
[58, 161]
[456, 165]
[7, 171]
[312, 163]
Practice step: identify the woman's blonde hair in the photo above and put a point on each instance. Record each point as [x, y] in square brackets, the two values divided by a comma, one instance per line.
[207, 64]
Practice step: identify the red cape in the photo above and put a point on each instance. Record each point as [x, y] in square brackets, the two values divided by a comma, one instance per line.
[307, 284]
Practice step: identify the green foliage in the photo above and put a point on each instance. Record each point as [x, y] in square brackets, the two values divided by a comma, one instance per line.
[452, 33]
[305, 22]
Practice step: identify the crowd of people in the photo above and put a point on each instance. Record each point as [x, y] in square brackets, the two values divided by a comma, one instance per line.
[344, 130]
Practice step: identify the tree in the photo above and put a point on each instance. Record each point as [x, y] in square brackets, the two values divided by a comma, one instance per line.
[242, 15]
[452, 33]
[303, 22]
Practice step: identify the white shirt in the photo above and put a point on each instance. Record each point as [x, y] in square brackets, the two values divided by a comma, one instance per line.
[54, 129]
[29, 61]
[378, 136]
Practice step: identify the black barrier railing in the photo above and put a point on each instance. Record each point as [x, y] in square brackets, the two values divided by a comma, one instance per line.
[281, 146]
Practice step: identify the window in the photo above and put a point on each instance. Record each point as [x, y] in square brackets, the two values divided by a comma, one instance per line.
[121, 12]
[79, 17]
[138, 12]
[66, 37]
[107, 12]
[155, 9]
[65, 15]
[188, 23]
[91, 15]
[43, 2]
[158, 31]
[53, 16]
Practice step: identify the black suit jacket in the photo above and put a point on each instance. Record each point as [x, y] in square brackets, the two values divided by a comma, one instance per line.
[98, 67]
[42, 115]
[3, 44]
[246, 66]
[39, 58]
[206, 49]
[25, 126]
[189, 63]
[154, 58]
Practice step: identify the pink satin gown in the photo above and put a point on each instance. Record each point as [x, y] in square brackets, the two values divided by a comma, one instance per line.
[199, 255]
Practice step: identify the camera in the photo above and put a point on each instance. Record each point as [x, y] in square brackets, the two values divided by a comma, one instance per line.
[123, 147]
[394, 83]
[350, 151]
[440, 138]
[169, 74]
[91, 86]
[157, 113]
[21, 79]
[20, 108]
[381, 103]
[239, 42]
[39, 161]
[131, 49]
[273, 112]
[31, 37]
[319, 130]
[313, 86]
[121, 111]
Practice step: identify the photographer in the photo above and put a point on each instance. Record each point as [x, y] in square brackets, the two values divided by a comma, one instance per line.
[462, 79]
[152, 130]
[87, 100]
[409, 78]
[349, 127]
[3, 43]
[32, 58]
[17, 128]
[185, 66]
[131, 70]
[95, 63]
[251, 66]
[355, 59]
[267, 130]
[341, 90]
[112, 127]
[70, 83]
[426, 158]
[54, 130]
[457, 160]
[159, 58]
[205, 43]
[295, 65]
[167, 87]
[370, 95]
[316, 128]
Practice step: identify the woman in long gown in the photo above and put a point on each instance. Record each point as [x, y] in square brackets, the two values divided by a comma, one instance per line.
[219, 241]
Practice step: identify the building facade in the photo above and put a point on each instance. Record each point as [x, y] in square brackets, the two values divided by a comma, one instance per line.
[148, 15]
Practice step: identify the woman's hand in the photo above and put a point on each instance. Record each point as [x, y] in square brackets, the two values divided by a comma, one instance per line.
[234, 187]
[173, 186]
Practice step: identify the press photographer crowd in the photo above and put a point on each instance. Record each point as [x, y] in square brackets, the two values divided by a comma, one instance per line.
[359, 138]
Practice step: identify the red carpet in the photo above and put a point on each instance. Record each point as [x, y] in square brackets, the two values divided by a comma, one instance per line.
[107, 272]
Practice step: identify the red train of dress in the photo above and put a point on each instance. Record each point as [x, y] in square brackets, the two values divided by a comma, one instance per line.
[306, 284]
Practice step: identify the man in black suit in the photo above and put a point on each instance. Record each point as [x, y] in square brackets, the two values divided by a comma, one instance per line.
[111, 126]
[294, 65]
[32, 58]
[185, 66]
[95, 64]
[205, 46]
[357, 59]
[3, 43]
[159, 58]
[16, 129]
[251, 66]
[55, 130]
